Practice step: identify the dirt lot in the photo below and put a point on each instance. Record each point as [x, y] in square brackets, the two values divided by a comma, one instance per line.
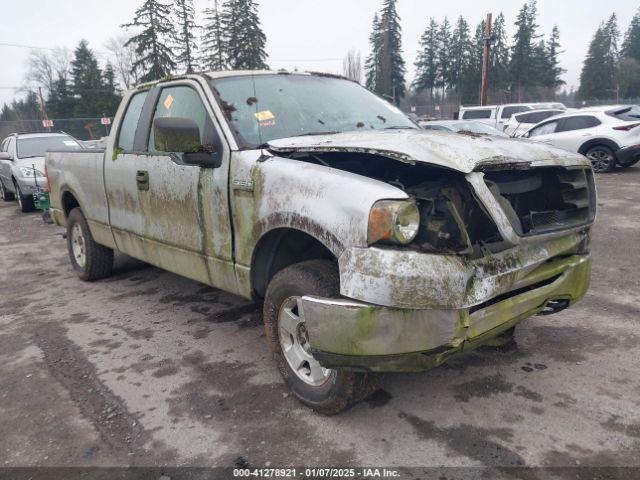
[148, 368]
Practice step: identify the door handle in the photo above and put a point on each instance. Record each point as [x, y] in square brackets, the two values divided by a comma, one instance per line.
[142, 179]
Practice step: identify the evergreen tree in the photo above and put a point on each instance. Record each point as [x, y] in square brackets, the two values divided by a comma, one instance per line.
[595, 81]
[186, 46]
[460, 52]
[521, 68]
[427, 60]
[372, 65]
[155, 58]
[444, 74]
[213, 40]
[61, 101]
[87, 81]
[386, 64]
[631, 44]
[612, 53]
[553, 71]
[499, 60]
[245, 42]
[111, 97]
[472, 78]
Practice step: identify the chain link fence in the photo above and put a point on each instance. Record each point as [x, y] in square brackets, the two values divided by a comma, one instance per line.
[80, 128]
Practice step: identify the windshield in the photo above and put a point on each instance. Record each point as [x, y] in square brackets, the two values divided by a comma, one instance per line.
[38, 146]
[477, 127]
[262, 108]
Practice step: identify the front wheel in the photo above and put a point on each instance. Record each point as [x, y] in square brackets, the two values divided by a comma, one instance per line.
[602, 158]
[327, 391]
[25, 201]
[89, 259]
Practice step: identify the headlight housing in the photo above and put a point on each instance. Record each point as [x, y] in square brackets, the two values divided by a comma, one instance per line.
[29, 172]
[394, 221]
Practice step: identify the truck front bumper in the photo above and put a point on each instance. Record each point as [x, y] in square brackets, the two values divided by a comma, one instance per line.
[365, 337]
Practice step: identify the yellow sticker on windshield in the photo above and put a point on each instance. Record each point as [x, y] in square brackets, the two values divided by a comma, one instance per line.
[168, 102]
[265, 115]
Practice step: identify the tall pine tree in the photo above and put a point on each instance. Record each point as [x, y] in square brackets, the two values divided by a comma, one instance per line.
[552, 74]
[499, 60]
[155, 58]
[521, 68]
[386, 58]
[213, 40]
[186, 45]
[596, 82]
[87, 82]
[631, 44]
[460, 50]
[245, 43]
[444, 71]
[372, 65]
[427, 60]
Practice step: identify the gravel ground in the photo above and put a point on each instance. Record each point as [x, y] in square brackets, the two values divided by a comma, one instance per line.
[148, 368]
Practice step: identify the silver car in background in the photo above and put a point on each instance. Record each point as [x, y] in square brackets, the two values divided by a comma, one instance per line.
[22, 164]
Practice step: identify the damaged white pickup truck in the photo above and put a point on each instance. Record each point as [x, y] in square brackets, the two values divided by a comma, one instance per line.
[375, 245]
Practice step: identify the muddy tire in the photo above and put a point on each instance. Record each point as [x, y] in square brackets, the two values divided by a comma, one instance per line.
[25, 201]
[328, 392]
[90, 260]
[6, 195]
[603, 160]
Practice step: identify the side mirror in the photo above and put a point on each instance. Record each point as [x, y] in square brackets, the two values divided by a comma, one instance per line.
[5, 156]
[179, 135]
[182, 135]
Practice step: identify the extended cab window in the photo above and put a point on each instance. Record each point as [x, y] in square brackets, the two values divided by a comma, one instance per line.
[183, 102]
[476, 114]
[577, 123]
[536, 117]
[130, 121]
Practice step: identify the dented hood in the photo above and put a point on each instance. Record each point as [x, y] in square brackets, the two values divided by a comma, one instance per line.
[458, 151]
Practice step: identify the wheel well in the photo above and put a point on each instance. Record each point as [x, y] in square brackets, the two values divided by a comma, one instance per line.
[69, 202]
[280, 249]
[598, 142]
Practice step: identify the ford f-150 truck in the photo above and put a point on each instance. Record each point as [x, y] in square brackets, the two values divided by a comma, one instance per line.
[375, 246]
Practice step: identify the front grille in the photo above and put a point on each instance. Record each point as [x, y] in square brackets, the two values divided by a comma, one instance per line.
[545, 199]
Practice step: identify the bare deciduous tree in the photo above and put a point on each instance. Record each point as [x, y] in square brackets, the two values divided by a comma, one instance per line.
[123, 56]
[352, 66]
[45, 67]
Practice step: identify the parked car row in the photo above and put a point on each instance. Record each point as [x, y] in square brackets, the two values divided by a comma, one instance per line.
[609, 136]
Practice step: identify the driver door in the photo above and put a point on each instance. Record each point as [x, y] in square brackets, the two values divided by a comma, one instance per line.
[170, 213]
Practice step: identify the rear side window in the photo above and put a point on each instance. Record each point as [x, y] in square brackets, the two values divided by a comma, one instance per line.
[536, 117]
[577, 123]
[130, 121]
[476, 114]
[545, 129]
[507, 112]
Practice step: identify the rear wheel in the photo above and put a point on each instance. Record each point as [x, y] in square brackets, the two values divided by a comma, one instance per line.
[90, 260]
[602, 158]
[327, 391]
[25, 201]
[6, 195]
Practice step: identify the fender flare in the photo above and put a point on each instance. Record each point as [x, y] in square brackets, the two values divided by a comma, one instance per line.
[598, 141]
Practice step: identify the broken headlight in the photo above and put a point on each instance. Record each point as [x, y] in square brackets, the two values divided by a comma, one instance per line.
[394, 221]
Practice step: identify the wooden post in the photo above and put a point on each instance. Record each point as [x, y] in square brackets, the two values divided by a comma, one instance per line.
[45, 117]
[486, 57]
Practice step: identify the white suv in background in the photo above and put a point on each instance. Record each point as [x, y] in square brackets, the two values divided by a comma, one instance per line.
[608, 136]
[521, 123]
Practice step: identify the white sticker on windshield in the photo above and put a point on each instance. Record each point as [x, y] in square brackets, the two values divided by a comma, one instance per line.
[69, 143]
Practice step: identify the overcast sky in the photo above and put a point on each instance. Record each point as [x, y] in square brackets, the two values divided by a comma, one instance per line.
[307, 34]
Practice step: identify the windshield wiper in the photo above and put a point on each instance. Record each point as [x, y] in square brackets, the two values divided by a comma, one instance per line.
[311, 134]
[401, 127]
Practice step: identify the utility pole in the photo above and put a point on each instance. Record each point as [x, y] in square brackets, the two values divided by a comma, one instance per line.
[486, 57]
[45, 117]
